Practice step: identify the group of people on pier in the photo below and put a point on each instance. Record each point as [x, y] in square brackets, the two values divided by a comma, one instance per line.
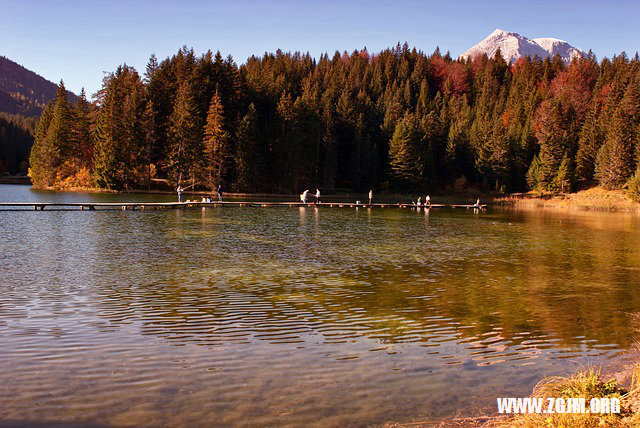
[305, 195]
[180, 190]
[427, 201]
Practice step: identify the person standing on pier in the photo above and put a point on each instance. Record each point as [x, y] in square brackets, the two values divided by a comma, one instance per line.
[220, 192]
[179, 190]
[370, 196]
[427, 201]
[317, 196]
[303, 196]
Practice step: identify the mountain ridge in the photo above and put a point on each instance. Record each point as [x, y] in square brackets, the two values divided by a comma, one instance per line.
[514, 46]
[23, 91]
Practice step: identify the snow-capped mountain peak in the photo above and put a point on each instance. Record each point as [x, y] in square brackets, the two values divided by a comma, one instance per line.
[559, 47]
[514, 46]
[498, 32]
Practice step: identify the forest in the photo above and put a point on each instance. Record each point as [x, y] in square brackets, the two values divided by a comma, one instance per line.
[16, 138]
[397, 120]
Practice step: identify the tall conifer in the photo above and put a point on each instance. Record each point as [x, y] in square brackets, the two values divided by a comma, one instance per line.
[248, 163]
[216, 143]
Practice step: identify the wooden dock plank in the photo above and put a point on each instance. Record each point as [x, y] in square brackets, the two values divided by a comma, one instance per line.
[92, 206]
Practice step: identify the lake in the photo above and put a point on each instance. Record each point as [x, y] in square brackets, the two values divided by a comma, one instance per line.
[286, 316]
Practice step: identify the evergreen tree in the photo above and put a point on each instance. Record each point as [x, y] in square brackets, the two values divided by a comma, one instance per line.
[185, 138]
[287, 142]
[328, 139]
[405, 152]
[633, 187]
[81, 132]
[53, 140]
[533, 174]
[248, 165]
[588, 145]
[149, 137]
[43, 154]
[60, 131]
[564, 178]
[551, 137]
[216, 143]
[615, 161]
[119, 161]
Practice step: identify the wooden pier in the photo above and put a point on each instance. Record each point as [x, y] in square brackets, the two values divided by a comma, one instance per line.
[92, 206]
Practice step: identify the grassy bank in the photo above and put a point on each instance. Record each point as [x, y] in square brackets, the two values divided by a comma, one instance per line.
[588, 383]
[594, 199]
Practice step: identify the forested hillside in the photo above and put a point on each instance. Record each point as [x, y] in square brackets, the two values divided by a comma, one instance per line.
[396, 120]
[24, 92]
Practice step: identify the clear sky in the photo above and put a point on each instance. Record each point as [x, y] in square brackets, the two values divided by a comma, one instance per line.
[78, 40]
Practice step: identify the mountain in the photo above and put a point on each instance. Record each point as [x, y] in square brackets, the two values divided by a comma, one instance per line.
[559, 47]
[24, 92]
[514, 46]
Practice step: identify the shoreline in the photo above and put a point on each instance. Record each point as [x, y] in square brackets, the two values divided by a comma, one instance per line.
[591, 379]
[592, 199]
[15, 179]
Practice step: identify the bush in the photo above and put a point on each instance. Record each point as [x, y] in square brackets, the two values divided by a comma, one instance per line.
[633, 187]
[587, 384]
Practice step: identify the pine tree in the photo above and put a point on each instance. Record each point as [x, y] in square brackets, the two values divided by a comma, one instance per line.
[533, 174]
[551, 137]
[59, 131]
[328, 138]
[406, 155]
[248, 165]
[633, 187]
[286, 144]
[615, 161]
[42, 158]
[119, 161]
[591, 139]
[149, 137]
[216, 143]
[81, 131]
[564, 178]
[305, 150]
[185, 137]
[53, 140]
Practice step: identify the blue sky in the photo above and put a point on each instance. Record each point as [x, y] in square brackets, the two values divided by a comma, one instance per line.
[78, 40]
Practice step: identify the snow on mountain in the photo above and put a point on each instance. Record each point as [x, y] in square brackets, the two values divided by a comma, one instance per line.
[514, 46]
[559, 47]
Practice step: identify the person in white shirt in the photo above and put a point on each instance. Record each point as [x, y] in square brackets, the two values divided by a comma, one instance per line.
[317, 196]
[303, 196]
[370, 196]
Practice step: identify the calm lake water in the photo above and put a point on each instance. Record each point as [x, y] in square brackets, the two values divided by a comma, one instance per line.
[300, 316]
